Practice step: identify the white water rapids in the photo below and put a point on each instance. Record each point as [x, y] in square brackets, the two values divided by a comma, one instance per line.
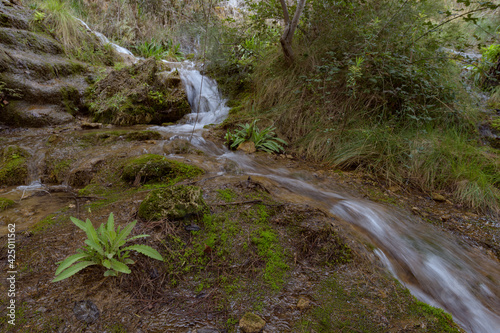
[435, 267]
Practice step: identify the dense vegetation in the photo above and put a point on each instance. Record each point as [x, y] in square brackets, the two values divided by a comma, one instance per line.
[373, 86]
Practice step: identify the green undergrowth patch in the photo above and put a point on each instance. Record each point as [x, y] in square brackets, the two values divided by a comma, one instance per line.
[349, 302]
[6, 204]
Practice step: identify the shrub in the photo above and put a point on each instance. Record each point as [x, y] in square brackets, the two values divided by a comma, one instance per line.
[104, 248]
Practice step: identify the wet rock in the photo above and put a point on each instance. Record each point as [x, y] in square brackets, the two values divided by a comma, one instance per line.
[82, 175]
[150, 168]
[303, 303]
[438, 197]
[25, 114]
[248, 147]
[86, 311]
[87, 125]
[251, 323]
[172, 203]
[13, 166]
[178, 146]
[145, 93]
[192, 227]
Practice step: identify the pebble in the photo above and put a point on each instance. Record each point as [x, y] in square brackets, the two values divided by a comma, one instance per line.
[251, 323]
[86, 311]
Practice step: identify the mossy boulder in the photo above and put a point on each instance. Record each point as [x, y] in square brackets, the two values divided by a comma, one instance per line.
[13, 166]
[172, 203]
[148, 92]
[150, 168]
[5, 203]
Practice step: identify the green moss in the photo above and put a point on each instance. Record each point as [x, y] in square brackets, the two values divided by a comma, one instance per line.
[495, 123]
[227, 195]
[441, 321]
[155, 168]
[70, 99]
[13, 166]
[143, 135]
[5, 21]
[272, 252]
[172, 203]
[5, 203]
[48, 221]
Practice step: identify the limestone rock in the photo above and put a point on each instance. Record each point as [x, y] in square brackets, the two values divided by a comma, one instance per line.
[172, 203]
[251, 323]
[41, 85]
[248, 147]
[438, 197]
[145, 93]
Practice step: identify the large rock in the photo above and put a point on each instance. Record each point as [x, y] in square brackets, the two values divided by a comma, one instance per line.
[172, 203]
[148, 92]
[39, 84]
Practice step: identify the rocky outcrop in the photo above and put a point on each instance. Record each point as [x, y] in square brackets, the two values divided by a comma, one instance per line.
[148, 92]
[40, 85]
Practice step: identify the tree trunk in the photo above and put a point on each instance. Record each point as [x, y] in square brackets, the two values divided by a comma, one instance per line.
[290, 27]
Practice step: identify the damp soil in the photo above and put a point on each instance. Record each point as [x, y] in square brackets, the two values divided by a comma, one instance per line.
[256, 248]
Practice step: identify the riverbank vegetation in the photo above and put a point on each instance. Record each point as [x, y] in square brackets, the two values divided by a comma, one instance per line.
[373, 87]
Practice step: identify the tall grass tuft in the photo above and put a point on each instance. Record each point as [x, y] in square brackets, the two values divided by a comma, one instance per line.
[59, 17]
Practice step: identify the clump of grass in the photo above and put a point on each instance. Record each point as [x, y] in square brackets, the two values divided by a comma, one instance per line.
[62, 23]
[60, 19]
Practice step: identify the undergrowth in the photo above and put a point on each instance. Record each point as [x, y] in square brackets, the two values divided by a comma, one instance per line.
[370, 89]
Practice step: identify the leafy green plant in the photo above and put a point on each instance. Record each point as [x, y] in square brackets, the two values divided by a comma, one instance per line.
[104, 248]
[38, 17]
[264, 140]
[160, 50]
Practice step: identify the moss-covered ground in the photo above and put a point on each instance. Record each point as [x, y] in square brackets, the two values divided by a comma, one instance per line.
[247, 252]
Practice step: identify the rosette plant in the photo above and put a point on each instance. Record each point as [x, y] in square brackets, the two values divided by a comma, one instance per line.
[104, 247]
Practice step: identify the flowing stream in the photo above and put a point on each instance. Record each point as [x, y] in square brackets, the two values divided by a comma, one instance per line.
[436, 267]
